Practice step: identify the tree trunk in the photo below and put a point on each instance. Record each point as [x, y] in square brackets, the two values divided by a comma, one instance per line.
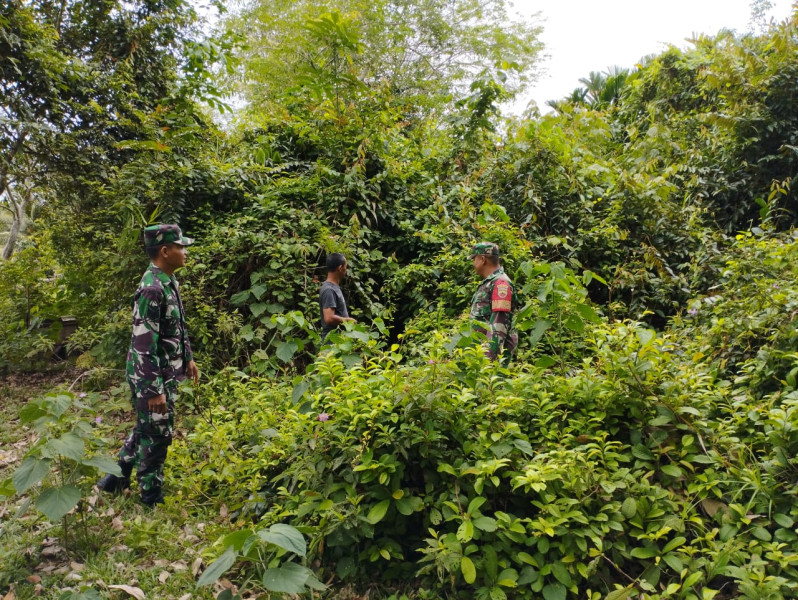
[18, 212]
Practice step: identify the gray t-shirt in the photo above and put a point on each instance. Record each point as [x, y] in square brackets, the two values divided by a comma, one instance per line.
[331, 296]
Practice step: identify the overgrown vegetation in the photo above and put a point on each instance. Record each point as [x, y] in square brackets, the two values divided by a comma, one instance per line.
[641, 445]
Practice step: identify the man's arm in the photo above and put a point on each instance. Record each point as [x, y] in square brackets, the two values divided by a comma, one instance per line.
[501, 301]
[146, 376]
[330, 318]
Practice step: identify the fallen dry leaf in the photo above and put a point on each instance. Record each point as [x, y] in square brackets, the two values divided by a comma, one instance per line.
[76, 566]
[179, 565]
[160, 562]
[224, 512]
[51, 550]
[38, 589]
[195, 568]
[10, 596]
[34, 579]
[137, 593]
[185, 597]
[163, 576]
[116, 524]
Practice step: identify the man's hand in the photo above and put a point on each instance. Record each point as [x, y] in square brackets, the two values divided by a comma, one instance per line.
[350, 320]
[192, 372]
[157, 404]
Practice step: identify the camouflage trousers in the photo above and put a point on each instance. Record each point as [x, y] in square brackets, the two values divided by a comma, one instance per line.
[146, 446]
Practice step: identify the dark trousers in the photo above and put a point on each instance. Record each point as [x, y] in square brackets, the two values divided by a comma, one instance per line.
[147, 445]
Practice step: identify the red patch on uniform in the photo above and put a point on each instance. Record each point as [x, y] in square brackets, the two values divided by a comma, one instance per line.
[502, 298]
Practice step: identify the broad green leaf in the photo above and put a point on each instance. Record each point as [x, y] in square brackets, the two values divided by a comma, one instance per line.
[468, 570]
[673, 544]
[378, 511]
[672, 470]
[259, 290]
[68, 445]
[299, 391]
[257, 309]
[496, 593]
[524, 447]
[761, 533]
[561, 574]
[475, 504]
[286, 537]
[674, 562]
[554, 591]
[783, 520]
[574, 323]
[541, 327]
[31, 411]
[55, 502]
[30, 472]
[104, 464]
[485, 524]
[645, 336]
[465, 532]
[404, 506]
[288, 578]
[7, 488]
[218, 567]
[239, 298]
[587, 313]
[629, 507]
[643, 552]
[286, 350]
[237, 539]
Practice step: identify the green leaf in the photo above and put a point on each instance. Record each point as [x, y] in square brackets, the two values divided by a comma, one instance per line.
[237, 539]
[629, 508]
[541, 327]
[259, 290]
[239, 298]
[7, 488]
[257, 309]
[672, 470]
[465, 532]
[561, 574]
[286, 350]
[404, 506]
[621, 594]
[468, 570]
[31, 411]
[288, 578]
[783, 520]
[218, 567]
[68, 445]
[587, 313]
[286, 537]
[104, 464]
[643, 552]
[554, 591]
[30, 472]
[524, 447]
[574, 323]
[485, 524]
[475, 504]
[761, 533]
[299, 391]
[544, 362]
[674, 562]
[646, 336]
[673, 544]
[55, 502]
[641, 452]
[378, 511]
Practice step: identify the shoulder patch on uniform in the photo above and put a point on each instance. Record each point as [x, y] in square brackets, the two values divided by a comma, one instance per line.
[502, 298]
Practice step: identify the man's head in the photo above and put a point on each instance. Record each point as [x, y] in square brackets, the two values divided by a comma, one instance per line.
[486, 258]
[336, 264]
[166, 245]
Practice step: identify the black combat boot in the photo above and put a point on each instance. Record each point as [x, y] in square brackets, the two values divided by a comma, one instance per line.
[152, 497]
[113, 483]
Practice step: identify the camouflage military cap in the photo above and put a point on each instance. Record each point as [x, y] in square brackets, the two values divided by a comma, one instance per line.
[165, 233]
[486, 248]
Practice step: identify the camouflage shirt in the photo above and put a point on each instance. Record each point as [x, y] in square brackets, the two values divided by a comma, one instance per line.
[159, 349]
[494, 304]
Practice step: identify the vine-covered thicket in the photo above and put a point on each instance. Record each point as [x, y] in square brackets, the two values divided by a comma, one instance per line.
[641, 444]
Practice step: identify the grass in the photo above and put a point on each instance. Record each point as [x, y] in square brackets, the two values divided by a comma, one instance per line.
[114, 541]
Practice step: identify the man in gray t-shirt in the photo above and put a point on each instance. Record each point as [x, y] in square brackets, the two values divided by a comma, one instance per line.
[331, 300]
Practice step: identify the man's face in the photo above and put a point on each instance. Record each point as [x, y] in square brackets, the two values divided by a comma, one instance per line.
[174, 255]
[342, 270]
[479, 263]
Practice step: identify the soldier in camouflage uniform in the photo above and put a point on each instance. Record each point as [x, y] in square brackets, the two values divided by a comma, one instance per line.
[159, 357]
[494, 303]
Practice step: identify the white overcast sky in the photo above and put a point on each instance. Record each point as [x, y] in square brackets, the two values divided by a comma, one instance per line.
[591, 35]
